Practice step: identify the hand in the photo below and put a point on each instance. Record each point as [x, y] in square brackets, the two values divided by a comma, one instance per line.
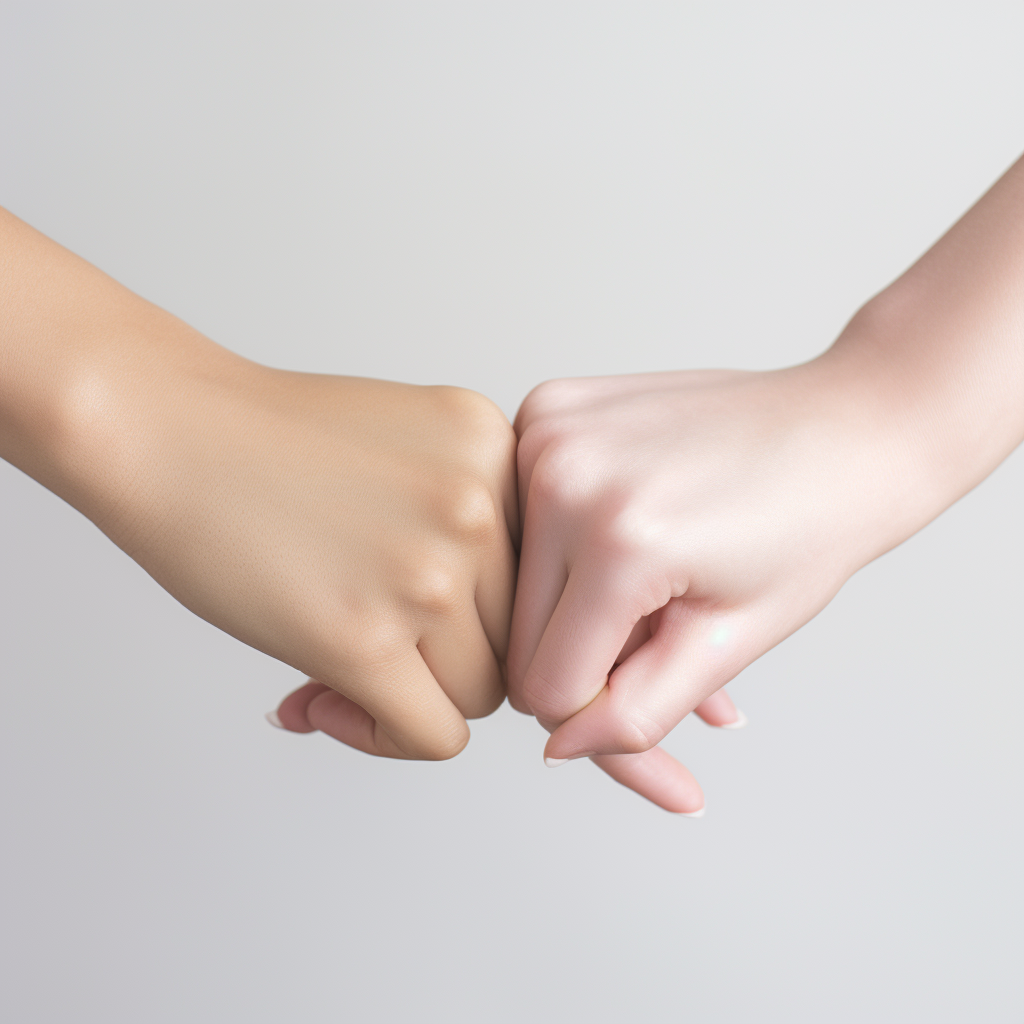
[676, 527]
[355, 529]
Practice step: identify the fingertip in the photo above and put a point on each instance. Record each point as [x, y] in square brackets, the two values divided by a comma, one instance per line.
[719, 712]
[740, 723]
[292, 714]
[658, 777]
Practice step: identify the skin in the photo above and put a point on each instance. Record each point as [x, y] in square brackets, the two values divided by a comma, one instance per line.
[676, 525]
[358, 530]
[679, 525]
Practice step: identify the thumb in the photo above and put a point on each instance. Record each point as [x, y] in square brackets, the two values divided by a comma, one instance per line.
[691, 655]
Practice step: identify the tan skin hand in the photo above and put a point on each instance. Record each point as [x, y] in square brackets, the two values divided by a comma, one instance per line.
[354, 529]
[358, 530]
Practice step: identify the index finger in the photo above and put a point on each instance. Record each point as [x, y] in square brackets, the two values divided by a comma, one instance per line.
[588, 628]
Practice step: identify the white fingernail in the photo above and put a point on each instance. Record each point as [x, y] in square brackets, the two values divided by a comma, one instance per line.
[271, 717]
[738, 724]
[692, 814]
[554, 762]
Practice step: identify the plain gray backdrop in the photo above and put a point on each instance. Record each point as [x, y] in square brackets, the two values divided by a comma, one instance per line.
[491, 195]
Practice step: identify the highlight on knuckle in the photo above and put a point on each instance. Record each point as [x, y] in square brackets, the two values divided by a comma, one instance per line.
[469, 410]
[433, 586]
[562, 478]
[547, 397]
[471, 512]
[621, 533]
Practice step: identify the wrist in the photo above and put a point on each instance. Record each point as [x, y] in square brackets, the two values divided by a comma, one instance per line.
[916, 438]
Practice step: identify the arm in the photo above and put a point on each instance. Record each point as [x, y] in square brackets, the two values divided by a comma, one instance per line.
[679, 525]
[356, 530]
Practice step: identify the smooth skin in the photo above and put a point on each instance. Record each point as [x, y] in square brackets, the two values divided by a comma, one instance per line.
[679, 525]
[358, 530]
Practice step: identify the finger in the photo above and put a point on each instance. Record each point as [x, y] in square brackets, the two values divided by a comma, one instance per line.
[639, 635]
[291, 712]
[691, 655]
[496, 587]
[542, 577]
[317, 708]
[459, 654]
[653, 774]
[344, 720]
[413, 716]
[658, 776]
[587, 630]
[718, 710]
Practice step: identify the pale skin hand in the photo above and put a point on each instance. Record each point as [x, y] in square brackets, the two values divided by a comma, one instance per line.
[358, 530]
[679, 525]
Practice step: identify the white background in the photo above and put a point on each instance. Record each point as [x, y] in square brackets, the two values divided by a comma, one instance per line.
[491, 195]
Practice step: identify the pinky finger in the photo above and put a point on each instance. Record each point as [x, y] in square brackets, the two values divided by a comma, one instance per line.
[659, 777]
[718, 710]
[344, 720]
[291, 713]
[317, 708]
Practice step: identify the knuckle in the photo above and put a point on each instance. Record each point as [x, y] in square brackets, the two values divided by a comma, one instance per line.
[533, 442]
[622, 533]
[561, 477]
[547, 397]
[472, 514]
[470, 409]
[535, 404]
[485, 434]
[633, 735]
[538, 696]
[433, 587]
[497, 433]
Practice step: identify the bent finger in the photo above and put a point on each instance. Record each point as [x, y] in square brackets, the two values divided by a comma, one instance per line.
[291, 712]
[496, 588]
[344, 720]
[683, 664]
[586, 632]
[459, 654]
[413, 716]
[317, 708]
[542, 578]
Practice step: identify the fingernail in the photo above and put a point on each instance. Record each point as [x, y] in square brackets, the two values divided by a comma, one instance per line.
[738, 724]
[691, 814]
[271, 717]
[554, 762]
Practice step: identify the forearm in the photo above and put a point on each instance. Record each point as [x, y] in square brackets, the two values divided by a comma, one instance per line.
[82, 362]
[937, 359]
